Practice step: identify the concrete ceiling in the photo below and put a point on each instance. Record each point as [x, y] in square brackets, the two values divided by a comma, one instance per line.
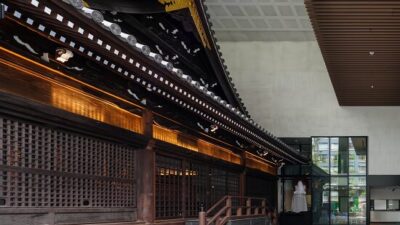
[260, 20]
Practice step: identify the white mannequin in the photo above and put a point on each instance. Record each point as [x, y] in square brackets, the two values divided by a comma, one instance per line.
[300, 188]
[299, 203]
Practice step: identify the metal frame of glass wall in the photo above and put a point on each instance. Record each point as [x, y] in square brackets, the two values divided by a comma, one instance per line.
[339, 180]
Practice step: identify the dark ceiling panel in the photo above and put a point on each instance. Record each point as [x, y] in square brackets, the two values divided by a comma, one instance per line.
[360, 43]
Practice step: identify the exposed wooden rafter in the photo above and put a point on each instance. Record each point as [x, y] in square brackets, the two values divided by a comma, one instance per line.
[172, 5]
[66, 25]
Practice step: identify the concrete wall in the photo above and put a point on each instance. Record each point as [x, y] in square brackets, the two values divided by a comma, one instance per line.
[287, 89]
[382, 193]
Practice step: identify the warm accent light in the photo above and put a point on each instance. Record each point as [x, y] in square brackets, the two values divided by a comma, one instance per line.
[32, 85]
[194, 144]
[175, 172]
[258, 163]
[93, 108]
[29, 84]
[59, 95]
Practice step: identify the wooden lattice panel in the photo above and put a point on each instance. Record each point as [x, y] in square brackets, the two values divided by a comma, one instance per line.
[44, 167]
[183, 187]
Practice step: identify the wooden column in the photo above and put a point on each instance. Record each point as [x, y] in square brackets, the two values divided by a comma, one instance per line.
[243, 176]
[185, 181]
[145, 174]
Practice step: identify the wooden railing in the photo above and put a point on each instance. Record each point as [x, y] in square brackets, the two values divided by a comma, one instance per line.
[233, 206]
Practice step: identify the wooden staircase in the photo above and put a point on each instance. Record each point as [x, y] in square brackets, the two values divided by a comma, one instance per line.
[233, 208]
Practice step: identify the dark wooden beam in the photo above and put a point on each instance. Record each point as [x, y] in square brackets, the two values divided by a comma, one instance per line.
[212, 111]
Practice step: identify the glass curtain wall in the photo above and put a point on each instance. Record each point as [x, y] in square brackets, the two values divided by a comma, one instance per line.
[339, 180]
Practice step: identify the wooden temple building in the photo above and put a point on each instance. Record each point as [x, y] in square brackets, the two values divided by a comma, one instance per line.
[123, 112]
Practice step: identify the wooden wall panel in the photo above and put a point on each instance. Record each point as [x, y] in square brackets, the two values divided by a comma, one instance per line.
[359, 40]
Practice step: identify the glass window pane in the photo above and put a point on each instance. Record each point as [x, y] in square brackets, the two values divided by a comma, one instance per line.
[339, 156]
[340, 196]
[393, 205]
[339, 200]
[358, 156]
[292, 170]
[320, 153]
[288, 195]
[357, 205]
[357, 181]
[379, 204]
[320, 188]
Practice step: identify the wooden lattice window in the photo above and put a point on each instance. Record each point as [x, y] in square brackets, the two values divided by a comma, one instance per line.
[184, 187]
[169, 178]
[45, 167]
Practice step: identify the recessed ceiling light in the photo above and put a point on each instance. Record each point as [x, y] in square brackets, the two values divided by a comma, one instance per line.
[372, 86]
[371, 53]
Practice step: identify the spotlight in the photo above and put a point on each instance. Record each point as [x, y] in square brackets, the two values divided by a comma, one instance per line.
[114, 28]
[63, 55]
[213, 128]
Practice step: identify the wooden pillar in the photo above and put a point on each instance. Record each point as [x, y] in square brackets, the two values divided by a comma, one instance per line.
[145, 174]
[243, 176]
[202, 218]
[248, 207]
[185, 185]
[229, 204]
[243, 183]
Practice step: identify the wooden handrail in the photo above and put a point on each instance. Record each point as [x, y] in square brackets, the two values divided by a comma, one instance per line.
[245, 197]
[226, 210]
[220, 212]
[217, 204]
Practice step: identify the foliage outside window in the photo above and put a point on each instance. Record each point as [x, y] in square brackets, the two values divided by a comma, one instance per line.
[339, 180]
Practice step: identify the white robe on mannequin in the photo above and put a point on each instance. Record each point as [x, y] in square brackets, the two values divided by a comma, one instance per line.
[299, 203]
